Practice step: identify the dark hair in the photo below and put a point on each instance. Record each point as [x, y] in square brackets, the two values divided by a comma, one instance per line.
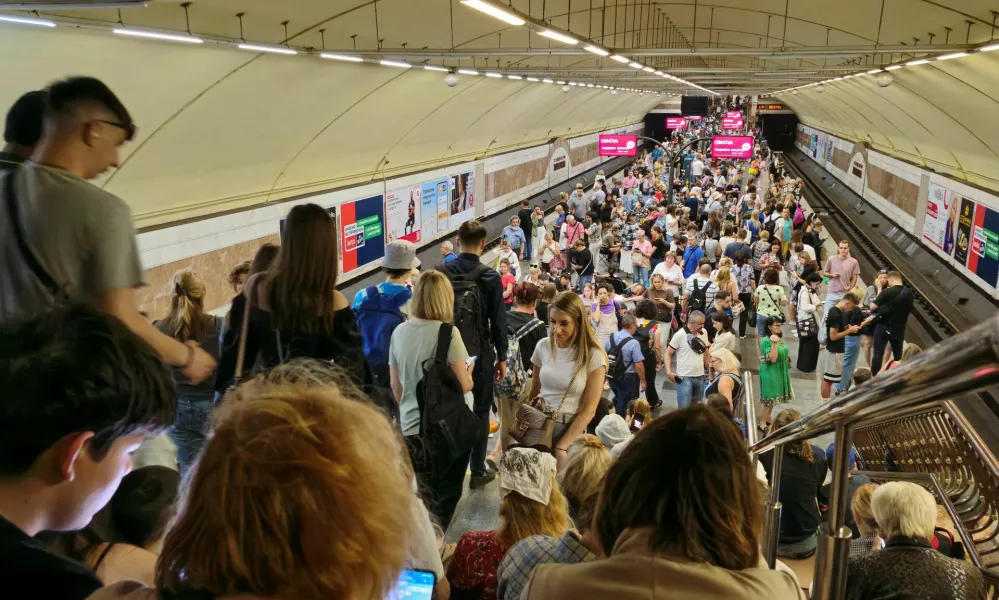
[264, 258]
[771, 277]
[771, 321]
[647, 309]
[66, 95]
[240, 270]
[722, 294]
[144, 504]
[526, 294]
[24, 119]
[471, 233]
[813, 278]
[862, 375]
[851, 297]
[397, 272]
[724, 320]
[303, 281]
[721, 404]
[703, 503]
[73, 370]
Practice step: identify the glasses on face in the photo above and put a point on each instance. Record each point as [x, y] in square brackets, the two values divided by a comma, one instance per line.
[128, 129]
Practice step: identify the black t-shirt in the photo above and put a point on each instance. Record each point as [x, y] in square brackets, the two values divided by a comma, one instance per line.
[25, 566]
[854, 317]
[583, 258]
[800, 483]
[515, 321]
[524, 215]
[894, 305]
[835, 320]
[659, 249]
[605, 212]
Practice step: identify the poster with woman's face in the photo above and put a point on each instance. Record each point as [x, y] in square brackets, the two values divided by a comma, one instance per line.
[462, 199]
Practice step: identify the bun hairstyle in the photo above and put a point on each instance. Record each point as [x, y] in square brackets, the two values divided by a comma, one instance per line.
[526, 294]
[187, 319]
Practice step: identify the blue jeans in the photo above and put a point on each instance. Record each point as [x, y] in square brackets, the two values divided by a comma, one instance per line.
[831, 300]
[641, 274]
[690, 389]
[190, 431]
[761, 325]
[527, 250]
[625, 390]
[584, 279]
[849, 362]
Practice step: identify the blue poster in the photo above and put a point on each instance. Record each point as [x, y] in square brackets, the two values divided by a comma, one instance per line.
[362, 232]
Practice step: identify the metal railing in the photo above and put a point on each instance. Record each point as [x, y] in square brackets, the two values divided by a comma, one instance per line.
[894, 405]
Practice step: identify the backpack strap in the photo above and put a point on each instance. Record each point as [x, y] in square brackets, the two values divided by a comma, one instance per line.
[527, 328]
[371, 292]
[22, 244]
[443, 342]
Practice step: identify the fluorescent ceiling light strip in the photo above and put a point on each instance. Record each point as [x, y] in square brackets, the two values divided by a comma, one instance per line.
[624, 60]
[558, 37]
[988, 48]
[271, 49]
[873, 71]
[27, 21]
[159, 36]
[394, 63]
[596, 50]
[514, 77]
[343, 57]
[495, 75]
[559, 83]
[547, 81]
[635, 65]
[648, 69]
[468, 71]
[660, 73]
[494, 11]
[435, 68]
[893, 67]
[534, 79]
[921, 61]
[950, 56]
[589, 85]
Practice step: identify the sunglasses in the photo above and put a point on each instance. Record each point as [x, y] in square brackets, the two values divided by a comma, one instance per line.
[129, 129]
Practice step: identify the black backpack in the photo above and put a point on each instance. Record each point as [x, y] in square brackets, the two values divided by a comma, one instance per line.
[469, 309]
[617, 366]
[448, 428]
[698, 297]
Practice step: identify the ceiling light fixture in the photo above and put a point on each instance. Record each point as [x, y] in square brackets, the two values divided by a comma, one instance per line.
[893, 67]
[435, 68]
[343, 57]
[534, 79]
[914, 63]
[514, 77]
[659, 73]
[494, 11]
[635, 65]
[547, 81]
[950, 56]
[596, 50]
[27, 21]
[494, 75]
[468, 71]
[271, 49]
[988, 48]
[589, 85]
[394, 63]
[558, 37]
[572, 83]
[648, 69]
[873, 71]
[158, 36]
[560, 83]
[624, 60]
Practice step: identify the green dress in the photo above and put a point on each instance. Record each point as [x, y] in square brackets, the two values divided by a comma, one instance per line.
[775, 378]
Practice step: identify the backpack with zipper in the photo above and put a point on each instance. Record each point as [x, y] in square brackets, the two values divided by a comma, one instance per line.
[469, 309]
[617, 366]
[698, 297]
[513, 384]
[377, 320]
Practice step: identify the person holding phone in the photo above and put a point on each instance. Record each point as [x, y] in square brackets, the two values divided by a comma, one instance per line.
[775, 371]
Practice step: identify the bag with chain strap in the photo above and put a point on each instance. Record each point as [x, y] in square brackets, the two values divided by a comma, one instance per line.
[535, 422]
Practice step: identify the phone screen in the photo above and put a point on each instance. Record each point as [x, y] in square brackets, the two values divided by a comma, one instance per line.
[637, 422]
[414, 585]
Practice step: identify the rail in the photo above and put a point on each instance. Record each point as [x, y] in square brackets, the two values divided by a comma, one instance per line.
[887, 406]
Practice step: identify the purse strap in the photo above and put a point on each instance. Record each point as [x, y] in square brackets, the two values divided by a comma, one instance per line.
[22, 244]
[244, 332]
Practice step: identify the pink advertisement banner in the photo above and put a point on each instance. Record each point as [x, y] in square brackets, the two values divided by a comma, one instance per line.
[732, 146]
[676, 122]
[617, 145]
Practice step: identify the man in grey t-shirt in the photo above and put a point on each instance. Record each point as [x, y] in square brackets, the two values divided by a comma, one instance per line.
[79, 234]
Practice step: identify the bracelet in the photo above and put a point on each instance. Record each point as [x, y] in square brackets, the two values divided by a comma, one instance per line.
[190, 357]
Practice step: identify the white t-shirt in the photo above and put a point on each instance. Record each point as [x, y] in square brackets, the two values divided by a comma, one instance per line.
[697, 168]
[688, 362]
[809, 250]
[558, 370]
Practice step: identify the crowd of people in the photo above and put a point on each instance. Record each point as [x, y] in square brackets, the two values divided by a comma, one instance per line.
[307, 445]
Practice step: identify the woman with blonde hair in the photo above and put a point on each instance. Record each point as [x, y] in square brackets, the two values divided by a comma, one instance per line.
[531, 504]
[725, 281]
[415, 342]
[548, 251]
[292, 452]
[580, 479]
[727, 379]
[569, 369]
[866, 523]
[188, 322]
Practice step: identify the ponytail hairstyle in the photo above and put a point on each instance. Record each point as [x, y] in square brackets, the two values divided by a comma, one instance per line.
[187, 319]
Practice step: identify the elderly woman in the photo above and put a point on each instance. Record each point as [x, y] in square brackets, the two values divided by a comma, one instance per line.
[909, 567]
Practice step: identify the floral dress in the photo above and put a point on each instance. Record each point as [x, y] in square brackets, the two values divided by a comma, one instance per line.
[775, 378]
[472, 570]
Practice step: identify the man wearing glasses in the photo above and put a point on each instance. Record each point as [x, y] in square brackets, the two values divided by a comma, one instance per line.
[64, 238]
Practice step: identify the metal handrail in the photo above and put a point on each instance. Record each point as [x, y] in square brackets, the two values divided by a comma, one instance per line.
[965, 363]
[750, 409]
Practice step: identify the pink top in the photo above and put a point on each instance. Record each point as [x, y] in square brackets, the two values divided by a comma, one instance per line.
[640, 253]
[629, 182]
[846, 267]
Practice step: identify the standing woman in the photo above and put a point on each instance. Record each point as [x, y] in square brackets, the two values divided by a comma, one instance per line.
[641, 254]
[743, 274]
[548, 249]
[188, 322]
[548, 293]
[538, 229]
[872, 292]
[569, 369]
[663, 299]
[808, 324]
[759, 248]
[672, 273]
[775, 373]
[414, 342]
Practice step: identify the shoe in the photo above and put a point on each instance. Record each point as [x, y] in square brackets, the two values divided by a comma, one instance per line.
[742, 337]
[492, 461]
[477, 481]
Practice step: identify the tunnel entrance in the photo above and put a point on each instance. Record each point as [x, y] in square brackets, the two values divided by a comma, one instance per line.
[779, 130]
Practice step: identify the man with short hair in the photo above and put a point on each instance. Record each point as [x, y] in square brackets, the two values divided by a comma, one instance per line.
[577, 201]
[491, 363]
[838, 323]
[842, 271]
[72, 239]
[741, 243]
[524, 214]
[697, 167]
[854, 481]
[447, 251]
[23, 130]
[693, 355]
[81, 392]
[596, 199]
[628, 386]
[582, 264]
[891, 313]
[692, 254]
[722, 303]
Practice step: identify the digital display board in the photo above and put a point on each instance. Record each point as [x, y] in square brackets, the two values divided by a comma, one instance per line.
[617, 145]
[732, 146]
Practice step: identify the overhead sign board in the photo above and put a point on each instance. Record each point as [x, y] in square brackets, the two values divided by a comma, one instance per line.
[770, 106]
[732, 146]
[733, 114]
[693, 117]
[676, 122]
[734, 123]
[617, 145]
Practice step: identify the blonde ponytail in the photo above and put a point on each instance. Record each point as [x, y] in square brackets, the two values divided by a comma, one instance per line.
[187, 319]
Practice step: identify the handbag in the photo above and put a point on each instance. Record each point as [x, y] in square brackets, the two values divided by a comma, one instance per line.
[780, 316]
[738, 308]
[535, 422]
[808, 327]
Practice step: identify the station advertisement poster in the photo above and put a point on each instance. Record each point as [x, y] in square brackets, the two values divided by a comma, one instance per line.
[734, 114]
[433, 194]
[732, 146]
[617, 145]
[812, 144]
[983, 258]
[940, 220]
[965, 221]
[676, 123]
[362, 231]
[403, 208]
[462, 199]
[693, 117]
[733, 123]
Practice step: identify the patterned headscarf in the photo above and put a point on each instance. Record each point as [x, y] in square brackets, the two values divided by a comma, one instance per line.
[528, 472]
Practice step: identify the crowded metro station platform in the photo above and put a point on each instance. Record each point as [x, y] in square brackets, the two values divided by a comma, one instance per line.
[651, 311]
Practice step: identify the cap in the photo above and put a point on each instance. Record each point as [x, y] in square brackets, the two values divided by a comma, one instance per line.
[832, 450]
[613, 430]
[400, 254]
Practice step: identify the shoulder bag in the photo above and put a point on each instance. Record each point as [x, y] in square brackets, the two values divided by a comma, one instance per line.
[780, 311]
[535, 422]
[58, 293]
